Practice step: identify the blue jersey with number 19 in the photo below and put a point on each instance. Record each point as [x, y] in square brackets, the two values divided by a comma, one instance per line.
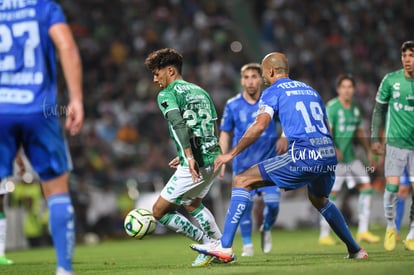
[303, 118]
[27, 59]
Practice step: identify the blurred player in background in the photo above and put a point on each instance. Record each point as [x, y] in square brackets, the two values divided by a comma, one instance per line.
[3, 221]
[239, 113]
[345, 117]
[395, 101]
[310, 160]
[30, 32]
[191, 118]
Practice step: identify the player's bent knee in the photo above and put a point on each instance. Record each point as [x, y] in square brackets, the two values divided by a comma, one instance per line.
[161, 207]
[317, 202]
[157, 212]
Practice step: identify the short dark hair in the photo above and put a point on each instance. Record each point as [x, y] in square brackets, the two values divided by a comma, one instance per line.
[164, 57]
[407, 45]
[251, 66]
[343, 77]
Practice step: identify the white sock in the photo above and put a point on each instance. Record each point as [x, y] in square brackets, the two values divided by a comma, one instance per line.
[364, 210]
[390, 202]
[3, 229]
[180, 224]
[207, 222]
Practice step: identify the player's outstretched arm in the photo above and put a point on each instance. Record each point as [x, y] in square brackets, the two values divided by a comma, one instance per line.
[251, 135]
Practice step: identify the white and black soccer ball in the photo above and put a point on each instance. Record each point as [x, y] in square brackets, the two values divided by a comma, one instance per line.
[139, 223]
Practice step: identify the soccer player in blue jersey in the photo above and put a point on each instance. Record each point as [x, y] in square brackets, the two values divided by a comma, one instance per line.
[310, 160]
[239, 113]
[30, 32]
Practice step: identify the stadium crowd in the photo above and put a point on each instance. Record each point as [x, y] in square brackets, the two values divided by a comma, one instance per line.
[125, 135]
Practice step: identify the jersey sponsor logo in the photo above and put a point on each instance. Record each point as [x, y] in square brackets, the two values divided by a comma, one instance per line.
[15, 4]
[397, 106]
[396, 86]
[179, 88]
[16, 96]
[396, 94]
[164, 104]
[14, 15]
[238, 214]
[301, 92]
[292, 84]
[24, 78]
[195, 97]
[410, 100]
[320, 141]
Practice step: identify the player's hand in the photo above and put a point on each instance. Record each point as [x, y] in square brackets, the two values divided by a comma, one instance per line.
[377, 148]
[220, 160]
[174, 163]
[220, 175]
[74, 117]
[281, 145]
[194, 169]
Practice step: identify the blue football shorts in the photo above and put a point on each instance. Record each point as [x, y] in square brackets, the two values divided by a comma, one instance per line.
[42, 140]
[288, 174]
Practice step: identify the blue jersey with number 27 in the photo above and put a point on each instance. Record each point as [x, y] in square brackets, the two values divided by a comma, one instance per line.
[27, 59]
[302, 115]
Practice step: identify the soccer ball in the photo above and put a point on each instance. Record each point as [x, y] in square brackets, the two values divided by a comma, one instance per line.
[139, 223]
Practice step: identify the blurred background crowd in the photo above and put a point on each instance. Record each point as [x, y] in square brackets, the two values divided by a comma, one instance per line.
[124, 147]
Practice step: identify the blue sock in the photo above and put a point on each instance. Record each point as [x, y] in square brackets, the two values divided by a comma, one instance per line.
[62, 228]
[337, 222]
[399, 213]
[240, 199]
[270, 213]
[246, 224]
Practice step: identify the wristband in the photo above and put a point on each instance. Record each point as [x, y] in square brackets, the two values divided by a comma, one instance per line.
[190, 158]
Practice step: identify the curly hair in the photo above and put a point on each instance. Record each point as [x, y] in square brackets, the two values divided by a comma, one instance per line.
[164, 57]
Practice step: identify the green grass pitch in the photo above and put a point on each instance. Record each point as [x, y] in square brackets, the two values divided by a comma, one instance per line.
[294, 252]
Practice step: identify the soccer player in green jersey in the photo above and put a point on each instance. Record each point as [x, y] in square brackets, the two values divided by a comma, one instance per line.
[395, 101]
[345, 118]
[191, 117]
